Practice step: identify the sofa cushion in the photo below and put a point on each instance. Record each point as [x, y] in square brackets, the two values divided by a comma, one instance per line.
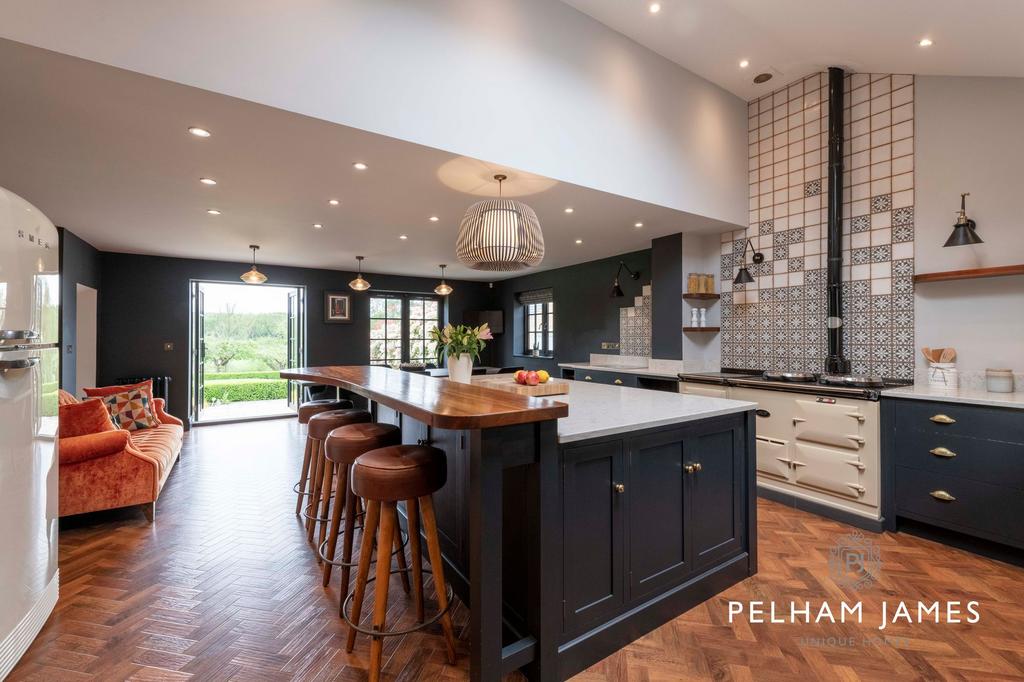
[162, 443]
[65, 398]
[103, 391]
[131, 410]
[75, 449]
[80, 419]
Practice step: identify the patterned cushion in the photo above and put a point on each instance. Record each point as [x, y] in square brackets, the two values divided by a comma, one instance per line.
[131, 410]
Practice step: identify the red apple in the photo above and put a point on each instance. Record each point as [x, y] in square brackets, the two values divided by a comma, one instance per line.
[519, 377]
[532, 379]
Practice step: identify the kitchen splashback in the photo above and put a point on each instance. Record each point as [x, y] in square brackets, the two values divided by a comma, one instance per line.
[635, 326]
[778, 321]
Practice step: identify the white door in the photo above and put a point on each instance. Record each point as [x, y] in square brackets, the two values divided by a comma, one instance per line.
[85, 338]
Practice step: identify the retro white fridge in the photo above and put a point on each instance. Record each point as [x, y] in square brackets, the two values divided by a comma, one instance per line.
[29, 371]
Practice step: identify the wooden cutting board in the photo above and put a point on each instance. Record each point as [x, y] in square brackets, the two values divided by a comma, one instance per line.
[505, 382]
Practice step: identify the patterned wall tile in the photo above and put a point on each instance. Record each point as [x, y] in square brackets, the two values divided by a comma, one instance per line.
[778, 321]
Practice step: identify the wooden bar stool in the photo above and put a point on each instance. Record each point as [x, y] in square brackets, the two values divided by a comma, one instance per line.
[319, 426]
[342, 447]
[383, 477]
[306, 412]
[312, 407]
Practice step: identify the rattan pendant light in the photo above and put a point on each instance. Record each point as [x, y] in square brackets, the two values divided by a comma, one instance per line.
[500, 234]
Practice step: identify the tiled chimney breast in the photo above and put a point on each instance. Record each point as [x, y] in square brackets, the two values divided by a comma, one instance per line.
[778, 321]
[635, 326]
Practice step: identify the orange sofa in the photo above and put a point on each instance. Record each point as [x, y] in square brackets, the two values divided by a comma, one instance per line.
[102, 467]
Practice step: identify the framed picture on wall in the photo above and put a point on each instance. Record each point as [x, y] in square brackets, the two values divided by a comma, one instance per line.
[337, 307]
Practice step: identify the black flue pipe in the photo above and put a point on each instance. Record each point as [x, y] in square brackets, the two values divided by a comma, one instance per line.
[836, 362]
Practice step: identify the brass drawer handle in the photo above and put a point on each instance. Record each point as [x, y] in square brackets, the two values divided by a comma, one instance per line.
[619, 488]
[692, 468]
[942, 495]
[618, 382]
[943, 419]
[587, 378]
[942, 452]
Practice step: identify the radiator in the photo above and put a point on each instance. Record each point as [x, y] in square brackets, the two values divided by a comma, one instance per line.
[161, 386]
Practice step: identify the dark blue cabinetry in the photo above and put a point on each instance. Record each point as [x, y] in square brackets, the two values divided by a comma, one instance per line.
[957, 467]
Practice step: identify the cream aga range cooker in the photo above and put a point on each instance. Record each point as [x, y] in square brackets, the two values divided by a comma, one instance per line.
[818, 438]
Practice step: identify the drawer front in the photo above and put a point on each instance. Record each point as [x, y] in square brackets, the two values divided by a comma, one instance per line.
[978, 508]
[992, 462]
[615, 378]
[708, 390]
[987, 423]
[833, 470]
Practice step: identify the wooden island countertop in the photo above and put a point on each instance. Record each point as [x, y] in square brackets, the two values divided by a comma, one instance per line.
[436, 402]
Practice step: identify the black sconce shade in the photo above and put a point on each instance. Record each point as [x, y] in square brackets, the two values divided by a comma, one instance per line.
[616, 289]
[743, 276]
[964, 229]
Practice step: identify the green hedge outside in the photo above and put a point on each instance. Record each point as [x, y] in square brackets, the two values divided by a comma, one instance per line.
[240, 390]
[217, 376]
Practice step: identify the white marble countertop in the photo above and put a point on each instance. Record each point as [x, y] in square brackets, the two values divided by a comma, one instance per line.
[645, 371]
[966, 395]
[604, 410]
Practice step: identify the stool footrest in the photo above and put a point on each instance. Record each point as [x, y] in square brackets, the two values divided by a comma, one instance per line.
[396, 633]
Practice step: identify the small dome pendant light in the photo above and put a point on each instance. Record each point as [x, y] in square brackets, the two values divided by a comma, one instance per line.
[500, 234]
[359, 284]
[443, 289]
[253, 276]
[964, 229]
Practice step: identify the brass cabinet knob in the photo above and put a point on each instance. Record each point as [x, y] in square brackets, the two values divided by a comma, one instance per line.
[942, 452]
[587, 378]
[942, 495]
[619, 487]
[692, 468]
[943, 419]
[618, 382]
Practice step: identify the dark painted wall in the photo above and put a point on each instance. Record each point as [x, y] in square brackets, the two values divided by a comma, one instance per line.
[666, 297]
[585, 315]
[79, 264]
[145, 302]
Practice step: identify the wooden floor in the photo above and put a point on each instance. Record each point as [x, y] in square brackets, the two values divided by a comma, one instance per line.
[223, 587]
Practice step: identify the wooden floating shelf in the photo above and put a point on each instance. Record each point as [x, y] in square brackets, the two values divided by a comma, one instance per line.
[976, 273]
[701, 329]
[701, 297]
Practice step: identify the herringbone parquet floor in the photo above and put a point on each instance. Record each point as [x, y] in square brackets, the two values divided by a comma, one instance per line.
[223, 587]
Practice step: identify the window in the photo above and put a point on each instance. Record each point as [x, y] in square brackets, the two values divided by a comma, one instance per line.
[400, 326]
[538, 322]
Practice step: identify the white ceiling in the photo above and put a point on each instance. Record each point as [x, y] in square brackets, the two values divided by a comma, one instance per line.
[792, 38]
[105, 152]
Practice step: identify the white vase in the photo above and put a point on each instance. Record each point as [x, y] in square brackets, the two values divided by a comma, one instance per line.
[460, 368]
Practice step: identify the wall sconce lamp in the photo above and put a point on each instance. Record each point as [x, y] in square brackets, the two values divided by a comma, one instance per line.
[963, 230]
[743, 276]
[616, 289]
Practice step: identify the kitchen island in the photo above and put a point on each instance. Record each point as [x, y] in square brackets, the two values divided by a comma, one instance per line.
[573, 525]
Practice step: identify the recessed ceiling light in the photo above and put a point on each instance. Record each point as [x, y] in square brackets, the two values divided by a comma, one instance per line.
[654, 7]
[638, 224]
[569, 209]
[359, 165]
[213, 211]
[199, 132]
[434, 218]
[208, 181]
[925, 42]
[579, 241]
[333, 202]
[762, 78]
[403, 236]
[318, 226]
[744, 63]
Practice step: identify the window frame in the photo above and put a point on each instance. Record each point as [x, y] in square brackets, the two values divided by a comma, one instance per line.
[546, 312]
[405, 321]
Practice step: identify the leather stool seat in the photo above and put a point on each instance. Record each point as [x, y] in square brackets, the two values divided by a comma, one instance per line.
[312, 407]
[321, 425]
[346, 443]
[399, 472]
